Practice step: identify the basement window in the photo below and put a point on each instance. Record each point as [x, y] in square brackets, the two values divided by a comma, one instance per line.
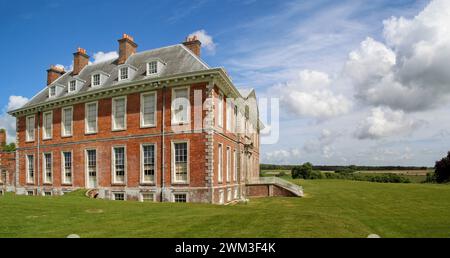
[47, 193]
[147, 197]
[30, 193]
[119, 196]
[180, 197]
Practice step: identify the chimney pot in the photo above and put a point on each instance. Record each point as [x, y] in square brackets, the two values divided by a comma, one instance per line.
[127, 47]
[53, 73]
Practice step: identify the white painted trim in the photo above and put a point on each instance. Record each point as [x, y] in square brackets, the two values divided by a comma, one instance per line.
[220, 163]
[44, 168]
[44, 136]
[27, 164]
[86, 167]
[141, 163]
[27, 136]
[85, 117]
[185, 193]
[228, 165]
[173, 142]
[113, 165]
[142, 109]
[172, 113]
[113, 111]
[220, 114]
[113, 195]
[63, 119]
[99, 80]
[235, 166]
[63, 170]
[141, 195]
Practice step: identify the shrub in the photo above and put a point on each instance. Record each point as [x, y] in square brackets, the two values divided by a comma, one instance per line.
[431, 178]
[315, 175]
[281, 174]
[303, 171]
[442, 169]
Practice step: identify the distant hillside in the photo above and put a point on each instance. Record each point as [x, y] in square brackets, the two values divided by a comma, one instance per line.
[334, 168]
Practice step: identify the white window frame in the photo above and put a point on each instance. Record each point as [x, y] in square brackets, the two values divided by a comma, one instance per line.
[154, 163]
[229, 195]
[113, 114]
[120, 73]
[70, 85]
[99, 79]
[113, 165]
[172, 111]
[44, 168]
[29, 179]
[86, 166]
[113, 196]
[235, 166]
[28, 136]
[156, 66]
[141, 196]
[228, 114]
[44, 120]
[228, 165]
[154, 93]
[221, 196]
[174, 181]
[63, 168]
[220, 109]
[184, 193]
[86, 131]
[63, 120]
[220, 163]
[52, 91]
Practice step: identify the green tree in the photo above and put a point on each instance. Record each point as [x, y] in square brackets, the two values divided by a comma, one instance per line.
[304, 171]
[442, 169]
[10, 147]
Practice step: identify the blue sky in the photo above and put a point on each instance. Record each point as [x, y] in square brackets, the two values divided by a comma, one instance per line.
[295, 48]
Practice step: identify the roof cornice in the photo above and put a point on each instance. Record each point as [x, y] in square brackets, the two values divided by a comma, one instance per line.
[216, 74]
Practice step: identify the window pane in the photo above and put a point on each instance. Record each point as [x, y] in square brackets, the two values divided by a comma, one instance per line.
[48, 167]
[48, 125]
[67, 126]
[92, 117]
[119, 113]
[119, 159]
[148, 163]
[180, 107]
[180, 162]
[67, 167]
[148, 106]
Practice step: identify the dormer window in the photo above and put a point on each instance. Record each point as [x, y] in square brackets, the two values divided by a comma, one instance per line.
[96, 79]
[152, 67]
[126, 72]
[123, 73]
[72, 86]
[52, 91]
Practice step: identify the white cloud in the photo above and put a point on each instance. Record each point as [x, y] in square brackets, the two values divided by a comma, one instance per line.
[410, 71]
[310, 96]
[102, 56]
[207, 40]
[282, 156]
[8, 122]
[384, 122]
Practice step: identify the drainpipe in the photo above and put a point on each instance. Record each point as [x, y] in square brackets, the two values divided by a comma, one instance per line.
[163, 145]
[38, 150]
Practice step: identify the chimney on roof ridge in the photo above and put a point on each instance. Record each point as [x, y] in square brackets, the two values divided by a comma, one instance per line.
[53, 73]
[127, 47]
[2, 138]
[80, 60]
[193, 44]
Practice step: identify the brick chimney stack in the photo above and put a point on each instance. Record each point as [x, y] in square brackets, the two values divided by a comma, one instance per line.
[2, 138]
[80, 60]
[193, 44]
[127, 47]
[53, 73]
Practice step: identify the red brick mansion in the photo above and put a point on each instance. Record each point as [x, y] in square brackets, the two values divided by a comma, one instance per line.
[157, 125]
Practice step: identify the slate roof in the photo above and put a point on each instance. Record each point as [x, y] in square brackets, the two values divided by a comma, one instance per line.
[177, 59]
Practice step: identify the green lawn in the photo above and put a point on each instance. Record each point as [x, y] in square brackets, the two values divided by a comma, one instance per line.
[331, 208]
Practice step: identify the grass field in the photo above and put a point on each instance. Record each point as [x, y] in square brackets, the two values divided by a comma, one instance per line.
[331, 208]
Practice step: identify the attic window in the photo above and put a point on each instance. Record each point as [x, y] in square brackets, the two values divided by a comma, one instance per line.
[52, 91]
[152, 67]
[72, 86]
[96, 79]
[123, 73]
